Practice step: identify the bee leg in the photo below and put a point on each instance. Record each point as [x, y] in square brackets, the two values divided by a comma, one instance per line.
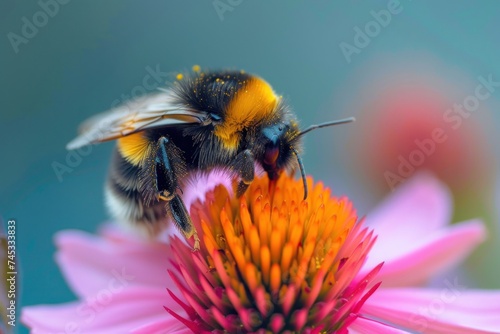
[244, 166]
[182, 220]
[166, 178]
[168, 164]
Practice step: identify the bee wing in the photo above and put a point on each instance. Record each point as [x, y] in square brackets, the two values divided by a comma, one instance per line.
[155, 110]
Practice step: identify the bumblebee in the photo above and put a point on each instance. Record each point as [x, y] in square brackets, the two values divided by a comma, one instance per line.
[227, 119]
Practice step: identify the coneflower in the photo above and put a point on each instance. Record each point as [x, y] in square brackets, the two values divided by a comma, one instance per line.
[271, 262]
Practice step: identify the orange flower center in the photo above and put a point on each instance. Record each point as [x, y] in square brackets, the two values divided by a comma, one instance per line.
[270, 260]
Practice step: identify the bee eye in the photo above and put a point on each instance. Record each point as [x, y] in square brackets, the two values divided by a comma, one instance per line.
[216, 118]
[273, 134]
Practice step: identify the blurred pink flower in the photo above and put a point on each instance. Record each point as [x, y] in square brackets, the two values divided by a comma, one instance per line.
[417, 113]
[122, 282]
[413, 118]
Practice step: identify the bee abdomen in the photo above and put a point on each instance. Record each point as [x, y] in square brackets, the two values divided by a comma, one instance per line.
[125, 202]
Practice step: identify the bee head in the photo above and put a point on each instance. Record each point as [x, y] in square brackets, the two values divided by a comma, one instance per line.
[278, 141]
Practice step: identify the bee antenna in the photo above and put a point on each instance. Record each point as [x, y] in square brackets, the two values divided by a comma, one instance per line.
[302, 171]
[323, 125]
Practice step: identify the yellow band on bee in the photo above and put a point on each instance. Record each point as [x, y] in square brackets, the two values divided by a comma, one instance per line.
[253, 102]
[134, 148]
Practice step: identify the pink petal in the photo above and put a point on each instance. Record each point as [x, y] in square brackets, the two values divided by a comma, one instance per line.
[198, 184]
[195, 187]
[436, 253]
[107, 312]
[165, 326]
[115, 233]
[368, 326]
[91, 263]
[417, 208]
[452, 309]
